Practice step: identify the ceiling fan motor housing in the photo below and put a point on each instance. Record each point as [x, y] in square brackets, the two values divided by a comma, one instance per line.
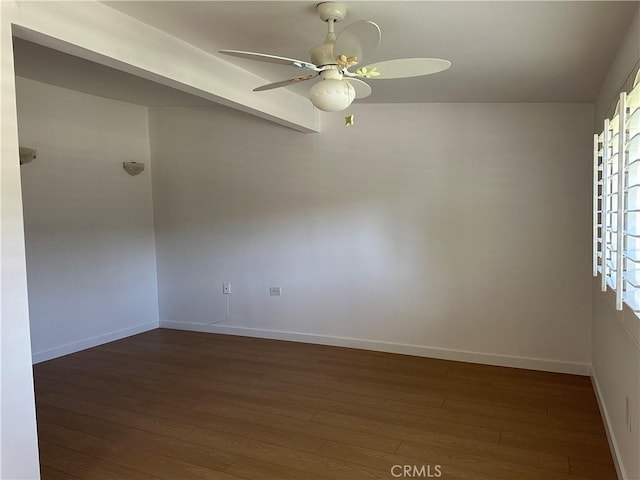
[322, 55]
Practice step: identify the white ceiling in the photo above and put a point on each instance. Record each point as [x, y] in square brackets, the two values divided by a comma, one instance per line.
[501, 51]
[552, 51]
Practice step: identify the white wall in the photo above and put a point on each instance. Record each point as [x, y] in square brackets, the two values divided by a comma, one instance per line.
[18, 438]
[620, 73]
[88, 224]
[96, 32]
[433, 229]
[84, 28]
[616, 335]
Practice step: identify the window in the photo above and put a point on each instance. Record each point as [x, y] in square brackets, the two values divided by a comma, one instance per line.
[616, 201]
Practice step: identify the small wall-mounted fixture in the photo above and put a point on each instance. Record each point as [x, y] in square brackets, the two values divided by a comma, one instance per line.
[27, 155]
[133, 168]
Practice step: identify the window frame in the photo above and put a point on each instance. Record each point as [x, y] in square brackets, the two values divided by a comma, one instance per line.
[616, 172]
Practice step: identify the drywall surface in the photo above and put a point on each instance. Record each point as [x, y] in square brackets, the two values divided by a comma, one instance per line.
[88, 224]
[621, 73]
[616, 374]
[616, 334]
[451, 230]
[18, 437]
[96, 32]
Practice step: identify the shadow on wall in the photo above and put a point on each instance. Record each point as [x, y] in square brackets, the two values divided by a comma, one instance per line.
[432, 225]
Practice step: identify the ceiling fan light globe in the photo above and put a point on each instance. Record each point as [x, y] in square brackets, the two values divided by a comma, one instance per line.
[332, 95]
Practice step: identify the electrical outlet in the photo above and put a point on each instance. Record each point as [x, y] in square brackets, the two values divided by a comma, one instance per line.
[226, 288]
[275, 291]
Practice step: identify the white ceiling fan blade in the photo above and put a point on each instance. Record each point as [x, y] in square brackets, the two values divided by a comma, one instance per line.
[359, 40]
[362, 88]
[404, 67]
[263, 57]
[284, 83]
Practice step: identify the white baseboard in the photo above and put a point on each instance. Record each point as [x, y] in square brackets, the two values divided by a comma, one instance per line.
[402, 348]
[45, 355]
[613, 445]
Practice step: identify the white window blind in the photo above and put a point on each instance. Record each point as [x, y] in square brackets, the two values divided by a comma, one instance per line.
[616, 201]
[612, 196]
[597, 204]
[631, 137]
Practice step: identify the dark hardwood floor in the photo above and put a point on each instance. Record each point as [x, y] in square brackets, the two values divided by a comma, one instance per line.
[182, 405]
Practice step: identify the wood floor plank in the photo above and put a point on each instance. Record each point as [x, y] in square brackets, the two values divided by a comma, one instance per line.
[307, 363]
[566, 409]
[316, 429]
[361, 387]
[476, 411]
[230, 380]
[84, 466]
[543, 460]
[514, 420]
[542, 427]
[165, 445]
[48, 473]
[275, 423]
[177, 404]
[494, 371]
[252, 469]
[565, 390]
[403, 432]
[453, 464]
[542, 443]
[271, 435]
[228, 442]
[136, 458]
[189, 393]
[590, 469]
[330, 384]
[396, 383]
[479, 463]
[319, 354]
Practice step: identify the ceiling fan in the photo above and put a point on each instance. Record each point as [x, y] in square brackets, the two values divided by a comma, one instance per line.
[335, 61]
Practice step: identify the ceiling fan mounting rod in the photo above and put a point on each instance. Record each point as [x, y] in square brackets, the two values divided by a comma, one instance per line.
[331, 11]
[330, 24]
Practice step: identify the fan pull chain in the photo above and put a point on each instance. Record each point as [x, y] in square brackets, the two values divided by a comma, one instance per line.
[349, 119]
